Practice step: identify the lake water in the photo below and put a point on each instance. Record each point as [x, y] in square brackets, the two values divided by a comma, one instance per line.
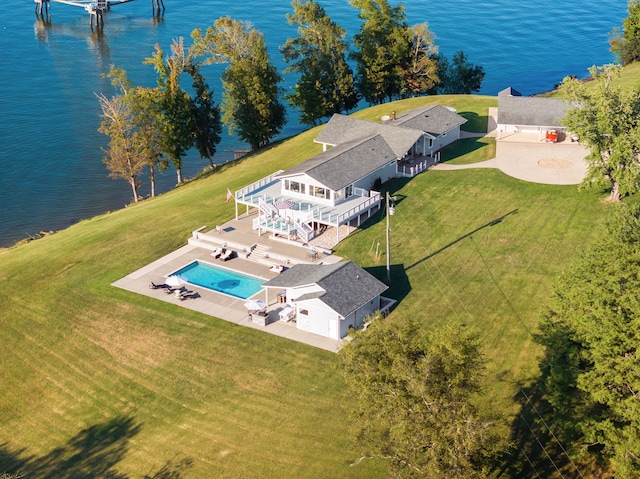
[50, 150]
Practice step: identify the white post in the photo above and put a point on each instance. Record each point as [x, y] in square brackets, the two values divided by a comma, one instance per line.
[388, 259]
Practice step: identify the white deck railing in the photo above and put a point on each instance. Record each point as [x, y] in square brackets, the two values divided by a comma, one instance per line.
[240, 194]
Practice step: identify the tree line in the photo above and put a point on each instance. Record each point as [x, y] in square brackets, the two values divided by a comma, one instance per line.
[150, 129]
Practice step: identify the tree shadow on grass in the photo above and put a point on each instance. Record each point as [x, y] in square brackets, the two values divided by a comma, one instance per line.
[537, 448]
[93, 453]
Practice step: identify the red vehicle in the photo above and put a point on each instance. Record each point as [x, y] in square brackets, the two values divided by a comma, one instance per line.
[552, 136]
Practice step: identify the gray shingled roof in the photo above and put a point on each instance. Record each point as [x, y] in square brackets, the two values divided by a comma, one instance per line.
[531, 111]
[434, 120]
[509, 92]
[347, 286]
[345, 164]
[344, 129]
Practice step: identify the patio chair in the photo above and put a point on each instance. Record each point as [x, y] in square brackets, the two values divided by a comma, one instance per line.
[217, 252]
[153, 285]
[182, 295]
[227, 255]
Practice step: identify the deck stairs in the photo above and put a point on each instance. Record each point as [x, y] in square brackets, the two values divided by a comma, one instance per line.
[267, 209]
[304, 231]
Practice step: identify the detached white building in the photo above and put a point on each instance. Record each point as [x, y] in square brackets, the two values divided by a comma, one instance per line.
[328, 299]
[529, 114]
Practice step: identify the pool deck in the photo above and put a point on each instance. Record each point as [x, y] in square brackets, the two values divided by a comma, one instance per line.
[223, 306]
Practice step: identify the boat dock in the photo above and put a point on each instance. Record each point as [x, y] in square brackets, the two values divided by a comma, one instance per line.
[95, 8]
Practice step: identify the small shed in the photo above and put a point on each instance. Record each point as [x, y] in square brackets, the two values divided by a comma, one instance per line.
[328, 299]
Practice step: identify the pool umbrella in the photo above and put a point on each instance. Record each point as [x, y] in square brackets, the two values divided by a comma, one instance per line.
[284, 204]
[175, 281]
[255, 305]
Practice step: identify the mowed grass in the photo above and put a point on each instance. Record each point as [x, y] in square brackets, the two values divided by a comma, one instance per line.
[98, 379]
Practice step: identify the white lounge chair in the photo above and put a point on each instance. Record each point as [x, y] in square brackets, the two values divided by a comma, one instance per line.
[227, 255]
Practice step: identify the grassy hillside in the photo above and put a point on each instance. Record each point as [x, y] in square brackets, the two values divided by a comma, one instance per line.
[96, 379]
[630, 76]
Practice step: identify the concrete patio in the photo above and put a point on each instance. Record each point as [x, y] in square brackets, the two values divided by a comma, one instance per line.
[235, 234]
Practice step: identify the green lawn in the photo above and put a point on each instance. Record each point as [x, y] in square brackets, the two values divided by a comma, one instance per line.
[95, 377]
[630, 76]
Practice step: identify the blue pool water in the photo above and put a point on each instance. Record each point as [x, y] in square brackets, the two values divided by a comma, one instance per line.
[220, 279]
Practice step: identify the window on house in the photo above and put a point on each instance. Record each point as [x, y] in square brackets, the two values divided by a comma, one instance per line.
[304, 312]
[320, 192]
[430, 142]
[294, 186]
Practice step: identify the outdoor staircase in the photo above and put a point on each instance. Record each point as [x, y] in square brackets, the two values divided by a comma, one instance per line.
[258, 253]
[304, 231]
[267, 208]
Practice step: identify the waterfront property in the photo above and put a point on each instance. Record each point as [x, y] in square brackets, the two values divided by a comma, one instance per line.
[340, 186]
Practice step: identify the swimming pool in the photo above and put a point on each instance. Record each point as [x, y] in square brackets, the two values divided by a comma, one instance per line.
[220, 279]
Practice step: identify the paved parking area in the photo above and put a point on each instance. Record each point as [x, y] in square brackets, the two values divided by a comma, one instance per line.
[525, 157]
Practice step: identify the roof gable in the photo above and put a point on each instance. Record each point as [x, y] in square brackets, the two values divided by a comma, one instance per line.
[509, 92]
[345, 164]
[347, 286]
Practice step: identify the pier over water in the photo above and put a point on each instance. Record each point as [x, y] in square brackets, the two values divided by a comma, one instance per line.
[95, 8]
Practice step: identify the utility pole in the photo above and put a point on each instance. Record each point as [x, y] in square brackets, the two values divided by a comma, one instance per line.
[389, 212]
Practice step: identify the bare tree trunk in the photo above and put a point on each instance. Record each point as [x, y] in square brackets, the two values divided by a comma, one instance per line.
[614, 197]
[210, 157]
[132, 182]
[152, 179]
[179, 174]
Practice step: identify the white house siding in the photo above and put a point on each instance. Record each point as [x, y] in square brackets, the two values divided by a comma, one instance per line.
[357, 318]
[318, 320]
[385, 174]
[446, 139]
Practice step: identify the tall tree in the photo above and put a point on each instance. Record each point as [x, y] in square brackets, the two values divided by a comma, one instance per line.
[625, 43]
[205, 115]
[383, 49]
[325, 85]
[175, 103]
[121, 156]
[250, 101]
[420, 72]
[130, 121]
[414, 395]
[591, 369]
[144, 103]
[459, 76]
[606, 118]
